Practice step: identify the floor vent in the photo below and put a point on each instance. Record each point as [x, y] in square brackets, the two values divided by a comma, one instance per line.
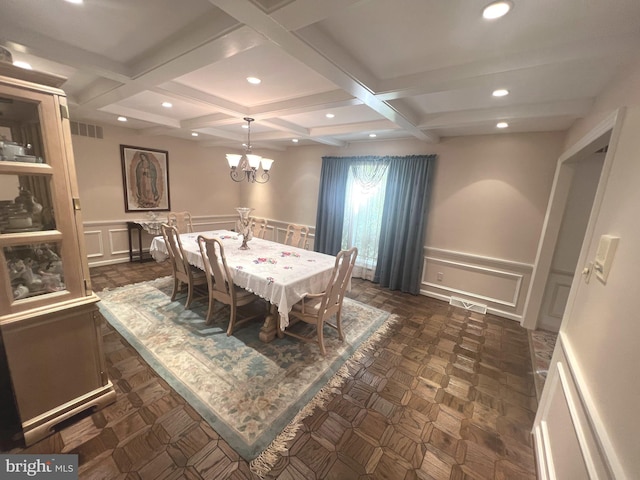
[86, 130]
[467, 305]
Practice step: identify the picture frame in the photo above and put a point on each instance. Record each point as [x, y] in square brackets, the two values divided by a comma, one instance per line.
[145, 179]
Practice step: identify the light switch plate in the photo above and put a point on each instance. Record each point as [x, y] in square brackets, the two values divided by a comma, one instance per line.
[604, 256]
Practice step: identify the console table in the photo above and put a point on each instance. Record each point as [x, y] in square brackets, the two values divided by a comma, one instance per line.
[150, 226]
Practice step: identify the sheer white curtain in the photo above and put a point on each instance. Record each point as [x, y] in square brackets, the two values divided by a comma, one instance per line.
[364, 204]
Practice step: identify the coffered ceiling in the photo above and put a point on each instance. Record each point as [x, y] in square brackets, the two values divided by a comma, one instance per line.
[424, 69]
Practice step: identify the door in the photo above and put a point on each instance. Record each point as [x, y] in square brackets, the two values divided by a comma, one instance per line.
[595, 360]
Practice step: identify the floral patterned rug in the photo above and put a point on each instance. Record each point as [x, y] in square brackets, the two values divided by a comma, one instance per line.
[253, 394]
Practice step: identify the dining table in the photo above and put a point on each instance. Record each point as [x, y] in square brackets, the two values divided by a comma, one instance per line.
[280, 274]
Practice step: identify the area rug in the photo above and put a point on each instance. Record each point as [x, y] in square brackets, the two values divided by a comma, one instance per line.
[253, 394]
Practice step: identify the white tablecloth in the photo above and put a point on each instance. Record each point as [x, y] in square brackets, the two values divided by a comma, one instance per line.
[279, 273]
[154, 227]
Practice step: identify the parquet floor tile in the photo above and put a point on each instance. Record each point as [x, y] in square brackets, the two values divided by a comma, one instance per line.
[446, 395]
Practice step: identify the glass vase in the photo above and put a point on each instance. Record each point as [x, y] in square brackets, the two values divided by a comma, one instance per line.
[243, 226]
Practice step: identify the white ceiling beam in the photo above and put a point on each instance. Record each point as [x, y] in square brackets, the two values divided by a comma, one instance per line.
[230, 112]
[572, 108]
[354, 128]
[222, 143]
[309, 103]
[140, 115]
[340, 57]
[207, 29]
[302, 13]
[230, 44]
[183, 92]
[284, 127]
[205, 121]
[96, 88]
[333, 142]
[250, 15]
[226, 134]
[467, 75]
[34, 43]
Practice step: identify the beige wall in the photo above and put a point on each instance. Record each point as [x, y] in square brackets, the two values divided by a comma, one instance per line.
[484, 218]
[490, 194]
[196, 182]
[481, 185]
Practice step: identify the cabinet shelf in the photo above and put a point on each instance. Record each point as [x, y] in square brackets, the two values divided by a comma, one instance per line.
[24, 168]
[50, 325]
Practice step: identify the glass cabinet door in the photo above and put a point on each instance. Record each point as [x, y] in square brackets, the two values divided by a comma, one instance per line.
[38, 236]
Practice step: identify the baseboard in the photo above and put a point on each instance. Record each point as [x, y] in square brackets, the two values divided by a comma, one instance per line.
[113, 261]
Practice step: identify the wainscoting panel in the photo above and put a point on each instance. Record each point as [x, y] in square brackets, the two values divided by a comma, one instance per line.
[499, 284]
[94, 243]
[118, 241]
[567, 439]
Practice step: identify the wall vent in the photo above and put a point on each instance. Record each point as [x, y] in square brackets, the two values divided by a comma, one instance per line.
[86, 130]
[468, 305]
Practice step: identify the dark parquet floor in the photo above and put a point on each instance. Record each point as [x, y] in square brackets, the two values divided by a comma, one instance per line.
[447, 394]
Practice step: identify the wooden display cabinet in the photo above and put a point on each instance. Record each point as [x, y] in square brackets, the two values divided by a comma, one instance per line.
[49, 321]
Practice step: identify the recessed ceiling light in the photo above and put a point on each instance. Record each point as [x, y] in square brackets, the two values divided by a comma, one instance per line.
[373, 135]
[21, 64]
[167, 104]
[77, 2]
[502, 125]
[254, 80]
[295, 140]
[497, 9]
[501, 92]
[194, 134]
[329, 115]
[122, 119]
[245, 125]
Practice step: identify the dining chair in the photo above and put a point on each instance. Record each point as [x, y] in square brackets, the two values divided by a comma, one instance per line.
[296, 235]
[183, 272]
[259, 227]
[319, 308]
[182, 220]
[220, 284]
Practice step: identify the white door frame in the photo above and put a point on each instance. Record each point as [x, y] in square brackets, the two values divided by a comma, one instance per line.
[596, 139]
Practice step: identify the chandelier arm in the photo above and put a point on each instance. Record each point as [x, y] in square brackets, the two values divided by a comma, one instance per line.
[263, 178]
[236, 175]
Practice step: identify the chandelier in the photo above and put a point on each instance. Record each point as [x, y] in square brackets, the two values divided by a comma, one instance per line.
[245, 166]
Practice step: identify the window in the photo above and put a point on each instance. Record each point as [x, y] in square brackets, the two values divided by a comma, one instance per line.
[364, 202]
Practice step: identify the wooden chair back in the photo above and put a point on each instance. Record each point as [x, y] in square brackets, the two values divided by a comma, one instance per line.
[219, 277]
[296, 235]
[181, 220]
[259, 227]
[183, 272]
[220, 283]
[337, 286]
[319, 308]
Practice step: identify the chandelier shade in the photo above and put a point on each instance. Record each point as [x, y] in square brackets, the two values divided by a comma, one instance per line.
[246, 166]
